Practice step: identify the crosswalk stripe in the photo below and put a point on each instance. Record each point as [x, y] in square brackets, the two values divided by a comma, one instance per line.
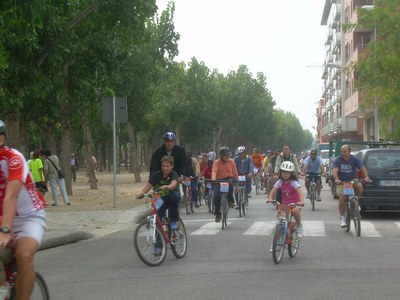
[261, 228]
[265, 228]
[209, 229]
[368, 229]
[314, 228]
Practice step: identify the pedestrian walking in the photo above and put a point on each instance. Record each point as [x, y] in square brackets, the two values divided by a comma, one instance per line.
[51, 171]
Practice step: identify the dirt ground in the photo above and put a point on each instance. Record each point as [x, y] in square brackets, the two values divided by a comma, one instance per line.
[84, 198]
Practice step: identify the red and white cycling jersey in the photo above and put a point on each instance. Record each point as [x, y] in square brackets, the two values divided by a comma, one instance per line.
[14, 167]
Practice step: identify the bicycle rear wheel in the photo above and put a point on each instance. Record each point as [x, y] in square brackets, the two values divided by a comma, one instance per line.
[293, 247]
[356, 217]
[179, 245]
[278, 245]
[151, 252]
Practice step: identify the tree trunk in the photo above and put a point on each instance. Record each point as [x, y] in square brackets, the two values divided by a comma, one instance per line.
[24, 138]
[12, 125]
[65, 156]
[133, 161]
[87, 133]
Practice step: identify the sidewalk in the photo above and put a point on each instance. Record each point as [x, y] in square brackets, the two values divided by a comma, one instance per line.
[72, 226]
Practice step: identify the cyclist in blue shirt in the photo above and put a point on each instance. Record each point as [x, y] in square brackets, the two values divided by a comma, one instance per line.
[345, 169]
[314, 168]
[244, 166]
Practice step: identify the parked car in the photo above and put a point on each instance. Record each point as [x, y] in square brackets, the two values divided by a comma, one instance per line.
[383, 165]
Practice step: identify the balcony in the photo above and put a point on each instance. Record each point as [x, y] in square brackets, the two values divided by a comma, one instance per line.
[337, 124]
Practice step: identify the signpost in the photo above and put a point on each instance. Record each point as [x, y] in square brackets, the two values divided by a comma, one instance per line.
[115, 109]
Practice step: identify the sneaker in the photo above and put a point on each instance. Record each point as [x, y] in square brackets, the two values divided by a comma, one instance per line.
[271, 249]
[68, 203]
[54, 204]
[231, 205]
[319, 198]
[300, 231]
[4, 292]
[156, 251]
[174, 226]
[218, 217]
[248, 195]
[197, 205]
[308, 195]
[342, 221]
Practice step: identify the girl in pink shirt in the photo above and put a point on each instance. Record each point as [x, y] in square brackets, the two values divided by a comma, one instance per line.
[291, 192]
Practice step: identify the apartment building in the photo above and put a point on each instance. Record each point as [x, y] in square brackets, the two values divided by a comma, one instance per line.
[339, 115]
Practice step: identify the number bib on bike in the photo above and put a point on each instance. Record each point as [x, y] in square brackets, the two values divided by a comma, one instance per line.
[224, 187]
[242, 178]
[158, 202]
[348, 189]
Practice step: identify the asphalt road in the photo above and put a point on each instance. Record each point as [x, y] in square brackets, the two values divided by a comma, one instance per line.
[235, 263]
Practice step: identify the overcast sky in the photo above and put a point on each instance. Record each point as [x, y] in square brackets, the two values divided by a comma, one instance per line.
[281, 38]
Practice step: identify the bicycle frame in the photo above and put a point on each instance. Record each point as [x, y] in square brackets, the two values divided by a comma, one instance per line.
[189, 196]
[285, 219]
[155, 220]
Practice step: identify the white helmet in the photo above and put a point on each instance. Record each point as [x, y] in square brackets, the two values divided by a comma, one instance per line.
[241, 149]
[287, 166]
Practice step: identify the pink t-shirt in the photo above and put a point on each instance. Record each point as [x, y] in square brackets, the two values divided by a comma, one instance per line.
[289, 190]
[14, 167]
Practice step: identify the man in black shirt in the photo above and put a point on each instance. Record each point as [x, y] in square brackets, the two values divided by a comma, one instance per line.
[169, 148]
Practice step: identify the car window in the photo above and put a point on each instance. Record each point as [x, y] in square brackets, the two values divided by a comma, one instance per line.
[383, 159]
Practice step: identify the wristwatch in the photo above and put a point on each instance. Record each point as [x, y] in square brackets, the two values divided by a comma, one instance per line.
[5, 230]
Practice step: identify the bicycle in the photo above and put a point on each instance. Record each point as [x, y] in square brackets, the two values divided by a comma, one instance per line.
[257, 180]
[224, 190]
[313, 190]
[188, 195]
[153, 234]
[352, 210]
[40, 290]
[242, 197]
[209, 196]
[201, 191]
[285, 233]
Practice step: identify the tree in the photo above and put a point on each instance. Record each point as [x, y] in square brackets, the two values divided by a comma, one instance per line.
[378, 69]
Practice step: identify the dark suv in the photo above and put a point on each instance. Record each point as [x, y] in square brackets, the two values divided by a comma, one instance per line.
[383, 165]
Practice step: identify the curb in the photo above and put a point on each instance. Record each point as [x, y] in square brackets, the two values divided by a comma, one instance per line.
[55, 239]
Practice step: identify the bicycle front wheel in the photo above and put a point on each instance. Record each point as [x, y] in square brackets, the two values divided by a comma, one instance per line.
[313, 197]
[347, 215]
[152, 250]
[240, 203]
[278, 244]
[187, 203]
[244, 204]
[224, 209]
[293, 247]
[179, 245]
[356, 217]
[40, 290]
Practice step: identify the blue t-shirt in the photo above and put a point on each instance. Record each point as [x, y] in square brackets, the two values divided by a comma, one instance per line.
[347, 169]
[313, 165]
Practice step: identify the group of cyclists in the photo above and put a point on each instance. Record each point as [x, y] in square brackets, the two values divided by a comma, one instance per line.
[279, 172]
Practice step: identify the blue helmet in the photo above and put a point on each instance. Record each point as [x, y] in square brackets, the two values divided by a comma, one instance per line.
[169, 136]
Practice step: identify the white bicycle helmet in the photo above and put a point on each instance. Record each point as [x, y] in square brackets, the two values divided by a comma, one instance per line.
[287, 166]
[241, 149]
